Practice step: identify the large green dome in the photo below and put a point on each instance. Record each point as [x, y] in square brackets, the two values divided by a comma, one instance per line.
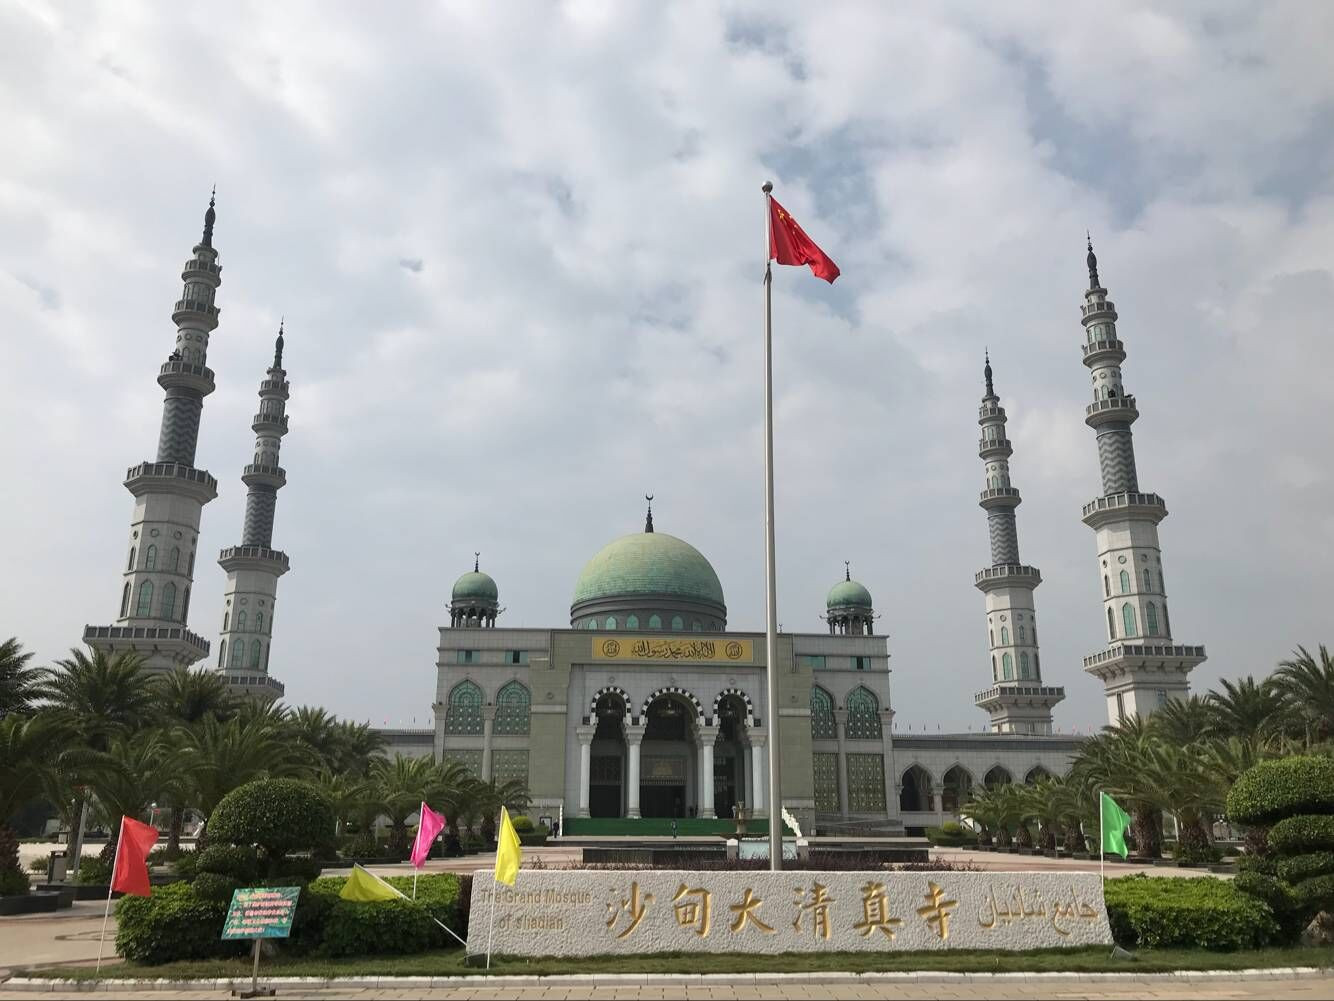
[475, 586]
[648, 563]
[848, 594]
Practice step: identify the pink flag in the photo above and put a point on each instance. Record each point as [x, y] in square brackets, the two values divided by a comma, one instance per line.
[428, 827]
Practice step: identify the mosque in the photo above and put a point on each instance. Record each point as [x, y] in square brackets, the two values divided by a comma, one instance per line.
[647, 705]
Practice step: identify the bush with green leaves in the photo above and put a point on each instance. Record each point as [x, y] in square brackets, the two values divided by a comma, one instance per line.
[353, 927]
[94, 871]
[1303, 833]
[280, 816]
[174, 923]
[14, 882]
[215, 886]
[522, 824]
[1282, 787]
[237, 861]
[949, 835]
[1181, 912]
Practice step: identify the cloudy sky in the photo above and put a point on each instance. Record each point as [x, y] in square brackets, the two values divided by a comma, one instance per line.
[518, 247]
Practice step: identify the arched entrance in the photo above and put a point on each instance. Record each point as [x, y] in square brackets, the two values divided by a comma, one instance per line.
[958, 789]
[668, 757]
[606, 794]
[915, 790]
[729, 757]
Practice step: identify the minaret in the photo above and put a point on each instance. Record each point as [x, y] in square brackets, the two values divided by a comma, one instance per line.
[253, 567]
[1141, 668]
[1017, 701]
[170, 492]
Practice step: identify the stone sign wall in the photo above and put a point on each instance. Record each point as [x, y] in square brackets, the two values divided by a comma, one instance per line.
[594, 912]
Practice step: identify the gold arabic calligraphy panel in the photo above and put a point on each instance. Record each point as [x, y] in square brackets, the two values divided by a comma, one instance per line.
[699, 651]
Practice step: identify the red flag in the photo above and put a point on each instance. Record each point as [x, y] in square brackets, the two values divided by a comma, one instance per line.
[131, 873]
[789, 244]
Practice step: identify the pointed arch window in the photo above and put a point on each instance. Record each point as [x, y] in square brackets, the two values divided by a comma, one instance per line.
[1037, 666]
[655, 621]
[225, 617]
[1125, 582]
[150, 557]
[238, 654]
[240, 621]
[1151, 617]
[1148, 580]
[463, 714]
[1023, 635]
[822, 714]
[611, 622]
[125, 599]
[1106, 586]
[591, 624]
[1128, 620]
[1005, 635]
[144, 606]
[255, 653]
[1167, 626]
[994, 675]
[222, 653]
[175, 559]
[191, 569]
[1023, 664]
[513, 704]
[863, 715]
[632, 622]
[259, 622]
[185, 606]
[1035, 632]
[678, 623]
[167, 609]
[1007, 667]
[1111, 625]
[129, 565]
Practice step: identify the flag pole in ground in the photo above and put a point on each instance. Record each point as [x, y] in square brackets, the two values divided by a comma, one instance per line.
[101, 939]
[395, 891]
[1102, 843]
[770, 592]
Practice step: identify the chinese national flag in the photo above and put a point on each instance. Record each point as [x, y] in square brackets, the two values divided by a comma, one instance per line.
[789, 244]
[131, 873]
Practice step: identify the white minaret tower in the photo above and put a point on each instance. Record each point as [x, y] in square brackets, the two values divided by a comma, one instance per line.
[1017, 701]
[253, 567]
[1141, 668]
[170, 492]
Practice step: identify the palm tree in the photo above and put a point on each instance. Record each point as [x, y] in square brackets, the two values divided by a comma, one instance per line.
[318, 734]
[216, 757]
[349, 794]
[357, 746]
[133, 773]
[1180, 782]
[185, 697]
[1182, 721]
[99, 696]
[1308, 688]
[18, 681]
[401, 785]
[1113, 762]
[1246, 709]
[26, 744]
[983, 809]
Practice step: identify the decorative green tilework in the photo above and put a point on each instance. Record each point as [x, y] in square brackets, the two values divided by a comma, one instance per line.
[866, 783]
[471, 760]
[863, 715]
[822, 715]
[509, 766]
[464, 714]
[826, 783]
[512, 704]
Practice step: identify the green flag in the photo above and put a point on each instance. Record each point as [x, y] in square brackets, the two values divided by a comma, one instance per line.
[1115, 821]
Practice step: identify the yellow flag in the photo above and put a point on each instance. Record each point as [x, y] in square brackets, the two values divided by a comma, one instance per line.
[508, 853]
[363, 885]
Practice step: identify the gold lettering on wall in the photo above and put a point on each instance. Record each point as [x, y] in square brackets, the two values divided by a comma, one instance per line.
[672, 648]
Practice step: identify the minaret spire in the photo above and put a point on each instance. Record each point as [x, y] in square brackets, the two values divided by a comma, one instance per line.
[253, 567]
[476, 562]
[1017, 702]
[847, 570]
[1141, 667]
[648, 520]
[210, 216]
[1092, 261]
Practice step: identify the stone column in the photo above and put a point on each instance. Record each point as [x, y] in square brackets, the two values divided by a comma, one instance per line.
[585, 735]
[634, 736]
[841, 731]
[757, 740]
[938, 803]
[488, 724]
[707, 736]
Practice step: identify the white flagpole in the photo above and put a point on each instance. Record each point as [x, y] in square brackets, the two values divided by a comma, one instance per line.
[462, 941]
[106, 915]
[1102, 847]
[770, 588]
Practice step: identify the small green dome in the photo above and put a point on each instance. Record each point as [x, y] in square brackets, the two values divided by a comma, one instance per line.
[648, 563]
[846, 594]
[475, 586]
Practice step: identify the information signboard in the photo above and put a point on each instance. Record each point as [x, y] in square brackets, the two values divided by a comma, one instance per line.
[261, 912]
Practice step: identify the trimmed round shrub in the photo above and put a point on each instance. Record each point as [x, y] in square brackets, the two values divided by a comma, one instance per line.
[1316, 893]
[278, 815]
[215, 886]
[172, 924]
[1277, 895]
[237, 861]
[1302, 833]
[1264, 864]
[522, 823]
[1280, 788]
[1295, 868]
[1200, 913]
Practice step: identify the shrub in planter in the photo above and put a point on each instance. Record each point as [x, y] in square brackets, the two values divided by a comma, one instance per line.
[278, 815]
[94, 871]
[172, 924]
[14, 882]
[1181, 912]
[949, 834]
[40, 864]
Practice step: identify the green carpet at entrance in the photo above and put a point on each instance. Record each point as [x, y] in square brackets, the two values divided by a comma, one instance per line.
[649, 827]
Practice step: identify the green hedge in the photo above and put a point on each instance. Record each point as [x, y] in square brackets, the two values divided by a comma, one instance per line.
[1295, 868]
[1302, 833]
[352, 927]
[1280, 788]
[237, 861]
[1316, 893]
[172, 924]
[1181, 912]
[278, 815]
[949, 835]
